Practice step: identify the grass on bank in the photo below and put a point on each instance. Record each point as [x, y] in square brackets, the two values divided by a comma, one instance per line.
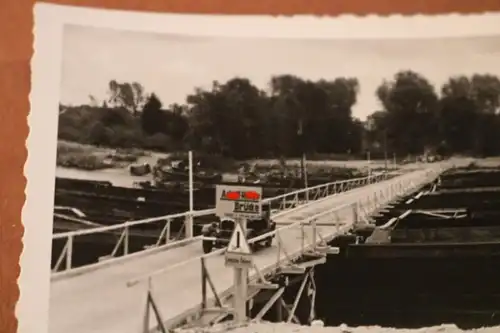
[87, 157]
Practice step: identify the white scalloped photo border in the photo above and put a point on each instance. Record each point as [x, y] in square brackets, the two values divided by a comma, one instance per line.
[32, 308]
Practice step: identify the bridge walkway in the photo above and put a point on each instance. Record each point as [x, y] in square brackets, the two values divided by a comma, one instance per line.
[74, 291]
[100, 301]
[308, 226]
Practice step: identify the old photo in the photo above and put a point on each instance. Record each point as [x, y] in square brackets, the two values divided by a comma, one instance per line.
[195, 176]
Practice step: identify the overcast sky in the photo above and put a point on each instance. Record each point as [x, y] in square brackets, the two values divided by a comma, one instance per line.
[172, 66]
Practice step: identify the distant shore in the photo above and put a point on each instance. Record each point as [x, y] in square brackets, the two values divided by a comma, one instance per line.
[88, 162]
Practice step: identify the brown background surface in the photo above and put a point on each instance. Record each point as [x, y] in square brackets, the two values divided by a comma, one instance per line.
[16, 39]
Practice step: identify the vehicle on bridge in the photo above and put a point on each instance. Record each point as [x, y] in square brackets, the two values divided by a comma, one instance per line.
[218, 234]
[140, 169]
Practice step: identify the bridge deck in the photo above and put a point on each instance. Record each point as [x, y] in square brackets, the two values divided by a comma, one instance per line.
[306, 211]
[100, 301]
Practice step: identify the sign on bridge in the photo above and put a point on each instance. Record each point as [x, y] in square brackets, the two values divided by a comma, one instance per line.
[238, 252]
[238, 202]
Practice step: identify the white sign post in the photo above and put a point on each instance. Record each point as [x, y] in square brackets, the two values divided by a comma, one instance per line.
[239, 256]
[239, 203]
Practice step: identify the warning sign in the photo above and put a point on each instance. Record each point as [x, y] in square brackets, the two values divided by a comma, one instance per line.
[238, 201]
[238, 242]
[238, 252]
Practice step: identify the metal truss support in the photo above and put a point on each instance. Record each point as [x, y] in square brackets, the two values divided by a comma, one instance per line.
[262, 282]
[277, 295]
[355, 213]
[151, 305]
[285, 306]
[279, 310]
[291, 313]
[444, 214]
[394, 221]
[219, 310]
[307, 286]
[311, 292]
[205, 278]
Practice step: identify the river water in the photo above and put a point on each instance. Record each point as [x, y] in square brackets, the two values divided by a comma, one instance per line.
[117, 176]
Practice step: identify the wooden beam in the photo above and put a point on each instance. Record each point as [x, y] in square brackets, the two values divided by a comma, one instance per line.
[267, 286]
[216, 310]
[490, 189]
[269, 303]
[292, 269]
[297, 298]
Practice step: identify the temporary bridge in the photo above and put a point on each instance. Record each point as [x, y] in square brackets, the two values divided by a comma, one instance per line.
[165, 285]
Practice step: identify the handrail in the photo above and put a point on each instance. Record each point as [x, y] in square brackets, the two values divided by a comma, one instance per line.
[195, 213]
[161, 271]
[208, 255]
[287, 202]
[130, 224]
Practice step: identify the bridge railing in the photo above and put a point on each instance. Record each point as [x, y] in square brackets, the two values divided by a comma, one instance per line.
[132, 237]
[289, 242]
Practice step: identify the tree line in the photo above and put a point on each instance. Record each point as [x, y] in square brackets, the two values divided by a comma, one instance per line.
[237, 119]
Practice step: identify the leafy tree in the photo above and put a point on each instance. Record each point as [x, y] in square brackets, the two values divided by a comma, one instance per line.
[342, 133]
[158, 141]
[245, 118]
[325, 110]
[457, 113]
[204, 113]
[468, 120]
[486, 91]
[111, 117]
[237, 120]
[410, 110]
[227, 119]
[128, 95]
[99, 135]
[286, 114]
[153, 117]
[376, 131]
[177, 125]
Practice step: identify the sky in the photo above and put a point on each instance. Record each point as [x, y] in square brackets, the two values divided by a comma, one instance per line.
[172, 66]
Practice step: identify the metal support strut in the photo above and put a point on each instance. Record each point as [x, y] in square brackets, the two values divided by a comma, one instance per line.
[151, 304]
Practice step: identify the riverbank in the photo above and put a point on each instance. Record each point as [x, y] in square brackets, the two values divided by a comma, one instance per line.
[87, 157]
[86, 162]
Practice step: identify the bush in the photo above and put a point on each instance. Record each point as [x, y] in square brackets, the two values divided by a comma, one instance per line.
[122, 158]
[125, 137]
[158, 141]
[100, 126]
[65, 147]
[99, 135]
[75, 155]
[70, 134]
[82, 161]
[111, 127]
[137, 152]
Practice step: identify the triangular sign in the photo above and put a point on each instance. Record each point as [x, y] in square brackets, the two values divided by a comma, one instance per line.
[238, 242]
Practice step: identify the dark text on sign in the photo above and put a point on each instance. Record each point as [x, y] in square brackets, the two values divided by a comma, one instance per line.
[238, 260]
[246, 207]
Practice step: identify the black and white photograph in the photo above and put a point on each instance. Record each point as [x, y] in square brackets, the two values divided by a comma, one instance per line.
[213, 182]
